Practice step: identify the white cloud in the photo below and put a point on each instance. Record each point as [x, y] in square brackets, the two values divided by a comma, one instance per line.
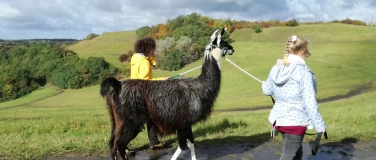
[78, 18]
[7, 12]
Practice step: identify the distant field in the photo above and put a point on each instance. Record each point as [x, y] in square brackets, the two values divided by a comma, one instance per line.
[316, 33]
[110, 45]
[77, 120]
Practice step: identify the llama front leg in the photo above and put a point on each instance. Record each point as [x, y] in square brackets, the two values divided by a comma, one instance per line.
[192, 148]
[185, 138]
[176, 154]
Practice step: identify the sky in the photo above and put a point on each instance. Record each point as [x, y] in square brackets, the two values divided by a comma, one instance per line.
[75, 19]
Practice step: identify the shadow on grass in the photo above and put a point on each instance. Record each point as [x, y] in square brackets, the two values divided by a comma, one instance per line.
[219, 127]
[216, 147]
[207, 129]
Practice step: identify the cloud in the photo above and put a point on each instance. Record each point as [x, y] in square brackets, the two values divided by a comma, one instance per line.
[23, 19]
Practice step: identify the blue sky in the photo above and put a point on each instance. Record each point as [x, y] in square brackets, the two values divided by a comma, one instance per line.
[26, 19]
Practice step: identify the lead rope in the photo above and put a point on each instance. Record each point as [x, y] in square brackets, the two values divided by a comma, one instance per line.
[243, 70]
[248, 75]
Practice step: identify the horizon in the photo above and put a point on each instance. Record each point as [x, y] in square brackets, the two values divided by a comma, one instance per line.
[166, 22]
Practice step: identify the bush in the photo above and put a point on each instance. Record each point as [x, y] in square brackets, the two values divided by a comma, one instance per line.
[292, 23]
[172, 61]
[257, 29]
[143, 31]
[25, 69]
[91, 36]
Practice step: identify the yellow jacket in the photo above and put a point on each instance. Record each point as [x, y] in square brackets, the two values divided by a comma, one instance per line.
[141, 67]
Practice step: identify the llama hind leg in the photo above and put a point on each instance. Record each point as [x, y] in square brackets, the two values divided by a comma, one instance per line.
[111, 142]
[111, 146]
[127, 136]
[114, 149]
[115, 141]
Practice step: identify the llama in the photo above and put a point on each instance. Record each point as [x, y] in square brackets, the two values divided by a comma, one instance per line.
[174, 105]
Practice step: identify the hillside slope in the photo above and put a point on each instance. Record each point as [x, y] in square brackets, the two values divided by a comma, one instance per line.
[342, 60]
[109, 45]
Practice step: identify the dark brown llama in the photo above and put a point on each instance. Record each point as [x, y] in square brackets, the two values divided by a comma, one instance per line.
[173, 105]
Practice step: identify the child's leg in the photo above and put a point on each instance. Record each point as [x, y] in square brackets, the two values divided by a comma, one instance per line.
[292, 148]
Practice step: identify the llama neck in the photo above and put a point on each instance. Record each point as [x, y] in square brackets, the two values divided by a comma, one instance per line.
[211, 74]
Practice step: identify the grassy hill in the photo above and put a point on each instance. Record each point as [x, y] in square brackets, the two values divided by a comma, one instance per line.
[109, 45]
[343, 61]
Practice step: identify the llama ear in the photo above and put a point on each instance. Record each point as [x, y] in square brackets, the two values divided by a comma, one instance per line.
[220, 35]
[213, 36]
[223, 31]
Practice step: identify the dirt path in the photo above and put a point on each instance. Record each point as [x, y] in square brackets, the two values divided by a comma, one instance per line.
[37, 100]
[247, 151]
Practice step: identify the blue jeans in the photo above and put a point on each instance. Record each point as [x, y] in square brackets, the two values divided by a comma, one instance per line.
[292, 147]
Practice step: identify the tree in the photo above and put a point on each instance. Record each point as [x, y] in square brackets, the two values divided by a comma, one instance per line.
[187, 49]
[143, 31]
[192, 19]
[162, 31]
[176, 23]
[173, 61]
[197, 33]
[292, 23]
[91, 36]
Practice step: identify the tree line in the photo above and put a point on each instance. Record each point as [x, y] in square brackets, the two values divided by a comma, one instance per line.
[26, 68]
[28, 42]
[182, 40]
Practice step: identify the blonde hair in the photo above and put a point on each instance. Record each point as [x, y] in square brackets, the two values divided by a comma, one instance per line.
[294, 47]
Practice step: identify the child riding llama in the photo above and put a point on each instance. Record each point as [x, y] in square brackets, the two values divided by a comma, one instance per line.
[173, 105]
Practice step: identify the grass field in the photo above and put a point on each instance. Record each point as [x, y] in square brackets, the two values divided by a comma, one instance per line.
[53, 122]
[109, 45]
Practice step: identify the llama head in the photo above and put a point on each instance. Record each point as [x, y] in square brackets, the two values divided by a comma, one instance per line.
[218, 47]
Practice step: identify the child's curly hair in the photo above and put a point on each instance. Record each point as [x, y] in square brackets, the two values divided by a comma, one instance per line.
[145, 45]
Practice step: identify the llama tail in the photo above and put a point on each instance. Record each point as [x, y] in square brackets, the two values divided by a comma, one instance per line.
[107, 84]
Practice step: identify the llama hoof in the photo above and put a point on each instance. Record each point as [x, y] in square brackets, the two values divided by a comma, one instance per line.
[160, 145]
[130, 152]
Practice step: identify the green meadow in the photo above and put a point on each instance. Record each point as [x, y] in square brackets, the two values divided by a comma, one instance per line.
[51, 121]
[109, 45]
